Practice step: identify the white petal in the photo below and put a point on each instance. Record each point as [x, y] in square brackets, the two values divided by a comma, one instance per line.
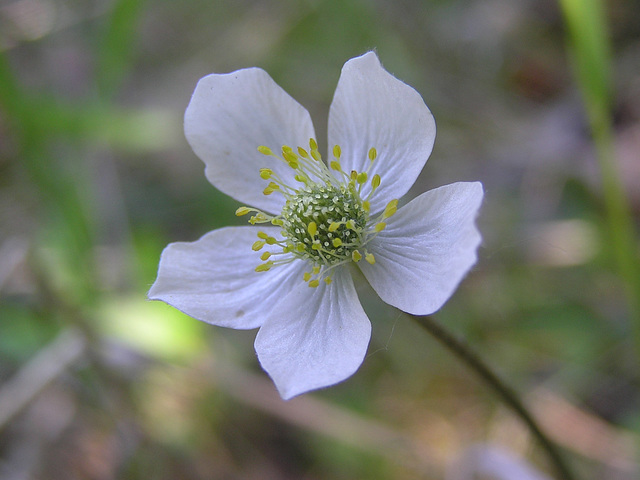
[214, 280]
[229, 117]
[426, 249]
[372, 108]
[314, 337]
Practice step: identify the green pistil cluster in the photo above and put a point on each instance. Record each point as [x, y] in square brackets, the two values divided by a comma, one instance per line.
[324, 224]
[325, 220]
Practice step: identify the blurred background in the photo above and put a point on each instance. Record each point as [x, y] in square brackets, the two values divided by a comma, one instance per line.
[96, 179]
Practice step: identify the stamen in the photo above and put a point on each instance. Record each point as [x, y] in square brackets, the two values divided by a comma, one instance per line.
[263, 267]
[259, 217]
[303, 153]
[375, 181]
[265, 173]
[390, 209]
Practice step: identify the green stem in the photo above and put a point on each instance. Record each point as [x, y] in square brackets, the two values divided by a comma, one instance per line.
[590, 48]
[619, 221]
[509, 397]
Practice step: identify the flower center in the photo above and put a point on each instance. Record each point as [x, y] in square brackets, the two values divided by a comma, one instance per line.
[325, 221]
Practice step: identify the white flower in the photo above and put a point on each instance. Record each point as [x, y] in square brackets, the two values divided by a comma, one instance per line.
[289, 273]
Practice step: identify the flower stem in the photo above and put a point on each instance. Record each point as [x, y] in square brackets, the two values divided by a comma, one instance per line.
[459, 348]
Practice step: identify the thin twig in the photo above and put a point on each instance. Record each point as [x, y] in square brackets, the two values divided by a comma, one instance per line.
[508, 396]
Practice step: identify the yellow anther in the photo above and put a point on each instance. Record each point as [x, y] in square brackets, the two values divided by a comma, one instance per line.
[366, 206]
[258, 218]
[265, 173]
[337, 242]
[351, 225]
[265, 256]
[265, 150]
[390, 209]
[327, 280]
[301, 178]
[313, 144]
[267, 191]
[356, 256]
[337, 151]
[271, 241]
[380, 226]
[312, 228]
[362, 177]
[335, 165]
[370, 258]
[375, 181]
[353, 175]
[316, 246]
[291, 158]
[262, 235]
[303, 153]
[314, 283]
[300, 247]
[333, 226]
[373, 153]
[263, 267]
[315, 270]
[277, 222]
[316, 155]
[257, 245]
[287, 149]
[242, 211]
[306, 276]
